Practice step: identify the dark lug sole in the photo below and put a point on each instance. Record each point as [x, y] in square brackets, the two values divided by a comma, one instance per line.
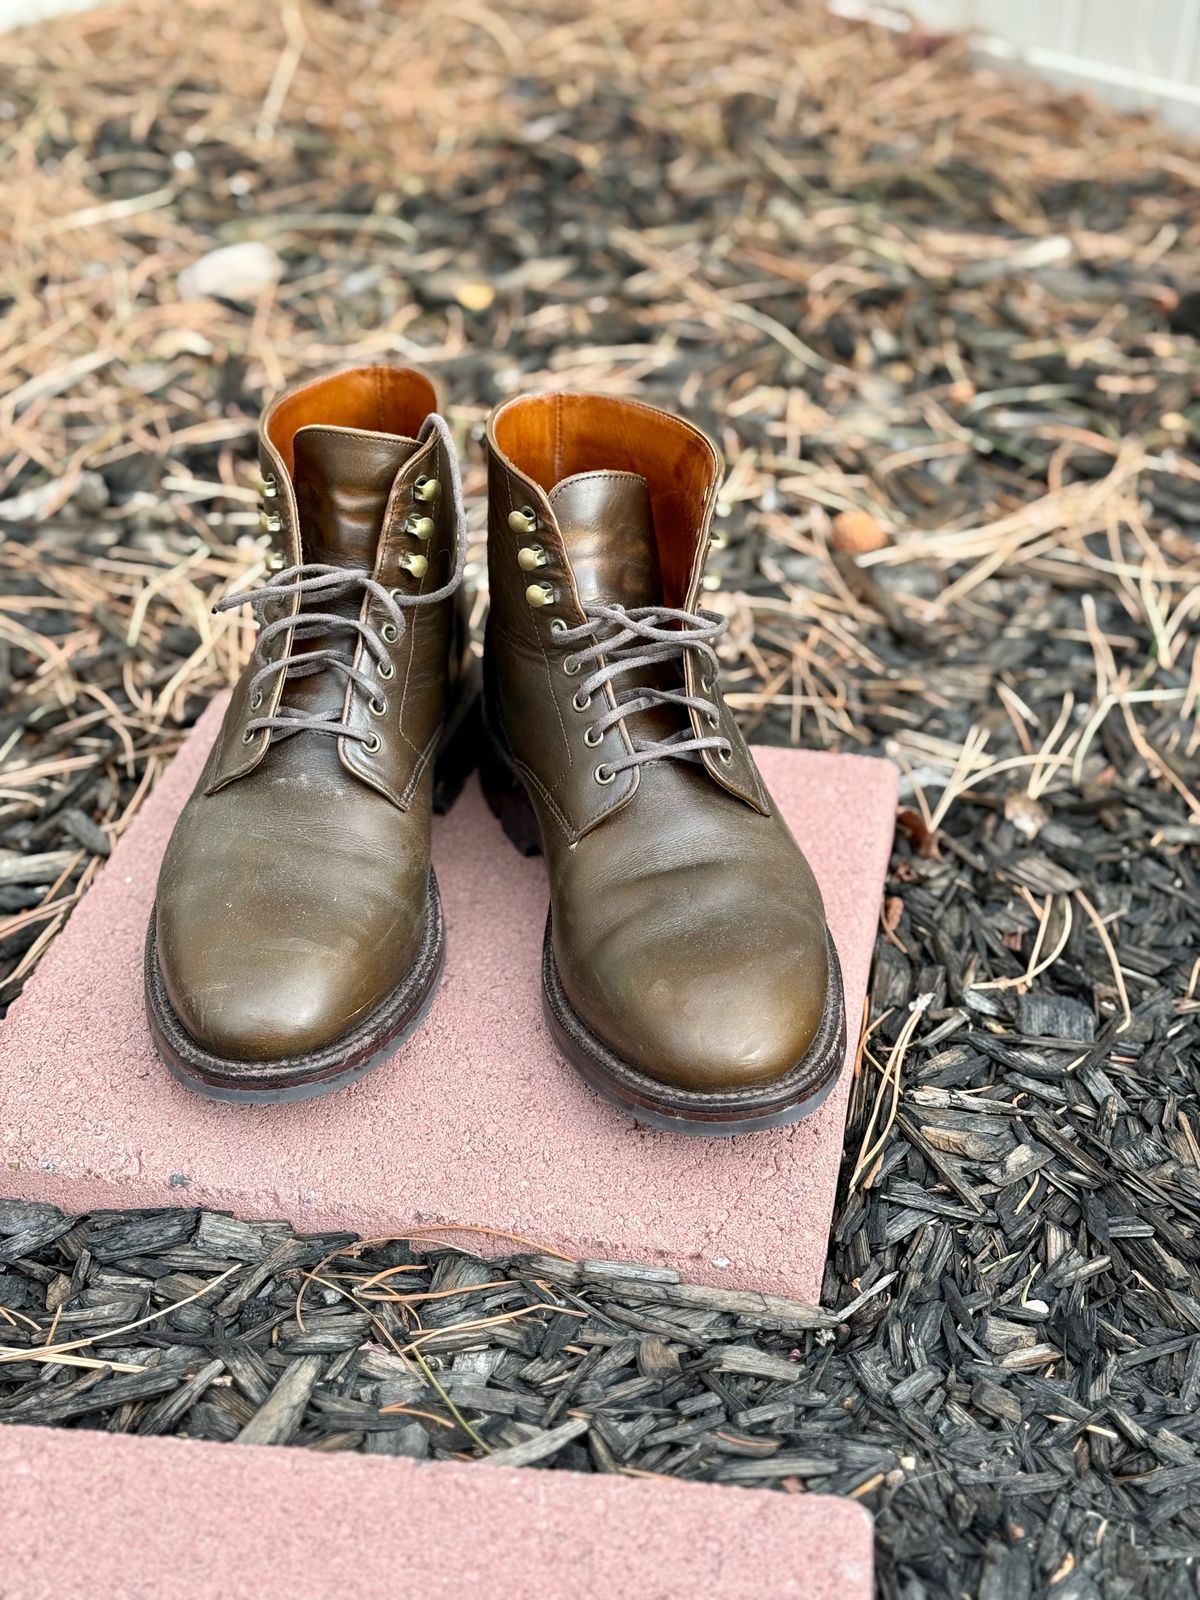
[302, 1077]
[788, 1099]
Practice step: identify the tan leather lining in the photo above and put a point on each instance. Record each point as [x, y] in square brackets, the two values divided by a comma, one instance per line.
[377, 399]
[551, 437]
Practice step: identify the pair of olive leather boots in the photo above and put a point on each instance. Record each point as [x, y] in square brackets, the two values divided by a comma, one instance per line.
[297, 936]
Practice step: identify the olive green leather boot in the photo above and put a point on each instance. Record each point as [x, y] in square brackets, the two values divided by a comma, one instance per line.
[297, 934]
[688, 971]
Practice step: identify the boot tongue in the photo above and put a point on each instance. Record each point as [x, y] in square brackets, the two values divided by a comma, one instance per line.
[343, 478]
[608, 530]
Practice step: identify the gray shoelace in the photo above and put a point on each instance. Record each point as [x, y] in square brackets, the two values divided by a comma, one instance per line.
[615, 640]
[314, 581]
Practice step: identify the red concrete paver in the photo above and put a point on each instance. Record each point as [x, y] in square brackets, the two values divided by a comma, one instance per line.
[477, 1120]
[92, 1516]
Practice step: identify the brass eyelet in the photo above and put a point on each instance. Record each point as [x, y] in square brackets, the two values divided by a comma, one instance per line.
[389, 633]
[539, 594]
[725, 754]
[377, 708]
[522, 522]
[270, 489]
[256, 700]
[426, 489]
[572, 665]
[713, 719]
[271, 521]
[581, 702]
[388, 672]
[591, 738]
[530, 557]
[557, 625]
[249, 735]
[373, 745]
[707, 685]
[417, 565]
[419, 527]
[604, 773]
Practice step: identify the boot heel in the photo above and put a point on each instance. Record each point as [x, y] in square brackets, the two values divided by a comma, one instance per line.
[507, 799]
[458, 751]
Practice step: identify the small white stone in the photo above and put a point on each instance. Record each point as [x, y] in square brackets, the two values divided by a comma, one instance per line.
[234, 272]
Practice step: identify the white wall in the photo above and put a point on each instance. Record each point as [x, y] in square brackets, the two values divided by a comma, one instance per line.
[1138, 54]
[14, 13]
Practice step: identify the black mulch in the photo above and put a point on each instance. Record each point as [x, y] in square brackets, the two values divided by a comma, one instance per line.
[887, 283]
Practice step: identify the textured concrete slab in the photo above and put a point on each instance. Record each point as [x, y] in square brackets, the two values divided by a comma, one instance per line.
[84, 1516]
[477, 1120]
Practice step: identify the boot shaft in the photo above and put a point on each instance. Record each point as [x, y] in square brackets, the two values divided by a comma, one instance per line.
[359, 473]
[594, 500]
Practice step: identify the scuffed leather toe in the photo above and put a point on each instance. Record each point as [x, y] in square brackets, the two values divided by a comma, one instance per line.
[700, 1025]
[265, 954]
[280, 1001]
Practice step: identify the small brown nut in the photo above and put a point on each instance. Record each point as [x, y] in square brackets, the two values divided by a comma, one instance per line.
[856, 532]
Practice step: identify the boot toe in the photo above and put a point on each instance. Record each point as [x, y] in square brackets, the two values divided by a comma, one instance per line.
[711, 1028]
[274, 1005]
[267, 951]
